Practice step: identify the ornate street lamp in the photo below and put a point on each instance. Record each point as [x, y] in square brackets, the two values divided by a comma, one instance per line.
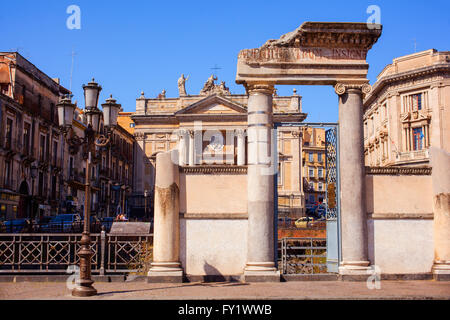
[91, 139]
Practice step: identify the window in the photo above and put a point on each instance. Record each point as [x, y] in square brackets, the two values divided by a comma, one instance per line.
[310, 172]
[311, 186]
[311, 157]
[319, 157]
[417, 139]
[320, 186]
[41, 184]
[55, 153]
[9, 126]
[320, 172]
[42, 147]
[280, 180]
[70, 166]
[4, 87]
[26, 138]
[53, 190]
[417, 101]
[7, 173]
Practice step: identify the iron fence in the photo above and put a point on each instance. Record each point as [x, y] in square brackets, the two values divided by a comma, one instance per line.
[54, 253]
[302, 255]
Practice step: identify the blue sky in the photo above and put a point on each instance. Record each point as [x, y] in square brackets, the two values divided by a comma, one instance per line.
[130, 46]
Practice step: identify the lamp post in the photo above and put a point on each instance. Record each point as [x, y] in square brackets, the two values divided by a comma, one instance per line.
[92, 138]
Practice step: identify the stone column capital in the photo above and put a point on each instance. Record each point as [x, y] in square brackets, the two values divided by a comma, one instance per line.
[191, 133]
[341, 88]
[240, 133]
[297, 134]
[181, 133]
[264, 88]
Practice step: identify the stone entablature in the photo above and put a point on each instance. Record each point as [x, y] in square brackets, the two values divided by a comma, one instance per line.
[314, 53]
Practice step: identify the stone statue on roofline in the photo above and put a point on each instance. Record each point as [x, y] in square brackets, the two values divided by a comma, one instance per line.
[181, 85]
[162, 95]
[211, 87]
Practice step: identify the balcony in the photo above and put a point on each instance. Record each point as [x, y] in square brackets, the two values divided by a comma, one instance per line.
[12, 145]
[416, 155]
[77, 177]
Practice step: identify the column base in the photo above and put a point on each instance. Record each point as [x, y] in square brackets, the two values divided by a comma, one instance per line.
[165, 272]
[261, 272]
[441, 270]
[355, 270]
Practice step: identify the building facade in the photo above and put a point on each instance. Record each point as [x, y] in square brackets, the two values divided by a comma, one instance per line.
[40, 174]
[111, 176]
[210, 129]
[408, 104]
[31, 154]
[314, 170]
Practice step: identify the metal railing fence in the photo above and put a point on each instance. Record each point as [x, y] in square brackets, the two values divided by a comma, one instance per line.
[302, 255]
[54, 253]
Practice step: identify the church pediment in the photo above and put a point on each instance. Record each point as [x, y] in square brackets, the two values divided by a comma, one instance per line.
[214, 105]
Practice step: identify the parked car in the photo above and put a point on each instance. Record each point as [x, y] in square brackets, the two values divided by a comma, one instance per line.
[303, 222]
[63, 223]
[38, 222]
[16, 226]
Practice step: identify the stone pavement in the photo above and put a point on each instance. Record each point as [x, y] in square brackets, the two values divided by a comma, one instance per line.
[292, 290]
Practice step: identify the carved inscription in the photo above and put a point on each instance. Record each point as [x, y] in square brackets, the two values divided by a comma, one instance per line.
[300, 55]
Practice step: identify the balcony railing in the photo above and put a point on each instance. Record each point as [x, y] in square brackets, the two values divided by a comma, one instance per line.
[414, 155]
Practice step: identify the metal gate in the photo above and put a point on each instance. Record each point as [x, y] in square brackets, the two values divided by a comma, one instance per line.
[333, 245]
[332, 196]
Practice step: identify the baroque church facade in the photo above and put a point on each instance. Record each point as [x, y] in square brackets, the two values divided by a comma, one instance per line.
[210, 132]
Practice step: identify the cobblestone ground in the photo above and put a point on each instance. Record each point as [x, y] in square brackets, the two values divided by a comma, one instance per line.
[425, 289]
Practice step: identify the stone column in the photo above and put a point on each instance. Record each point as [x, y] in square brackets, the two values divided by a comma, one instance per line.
[260, 243]
[191, 148]
[440, 175]
[166, 265]
[352, 176]
[240, 147]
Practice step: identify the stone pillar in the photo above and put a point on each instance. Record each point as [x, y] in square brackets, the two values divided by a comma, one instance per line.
[166, 265]
[352, 176]
[440, 162]
[260, 251]
[240, 147]
[191, 148]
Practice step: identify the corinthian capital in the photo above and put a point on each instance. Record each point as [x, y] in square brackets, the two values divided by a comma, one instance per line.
[240, 133]
[341, 88]
[265, 88]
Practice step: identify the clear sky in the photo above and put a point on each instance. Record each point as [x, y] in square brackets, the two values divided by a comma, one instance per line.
[133, 46]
